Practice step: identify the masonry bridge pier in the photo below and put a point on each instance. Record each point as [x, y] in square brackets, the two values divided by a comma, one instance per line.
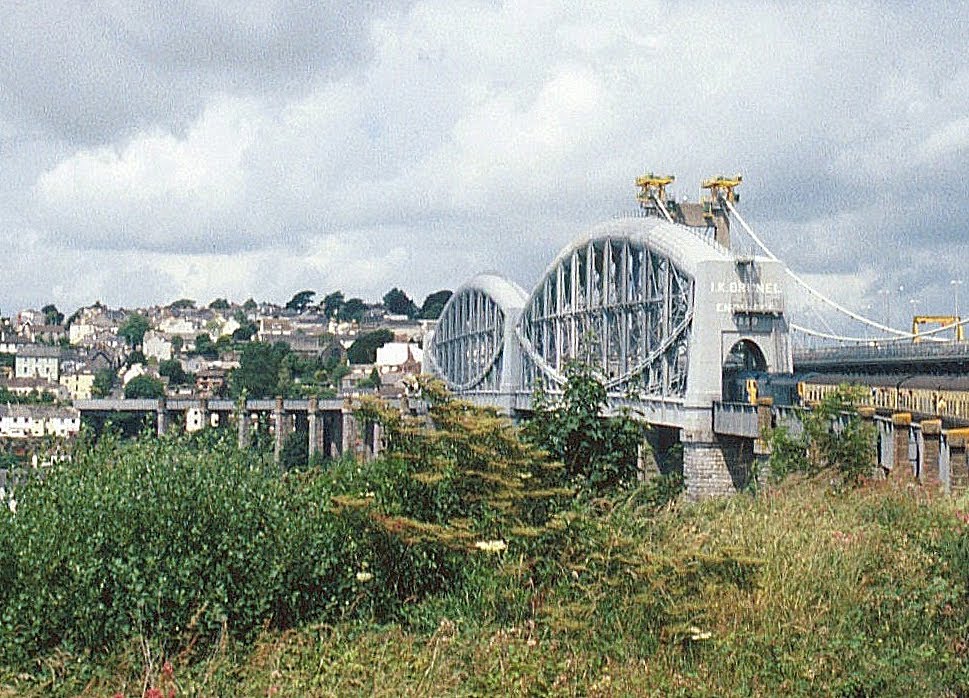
[331, 426]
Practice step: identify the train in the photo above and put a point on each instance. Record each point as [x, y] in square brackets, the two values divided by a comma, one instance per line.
[943, 396]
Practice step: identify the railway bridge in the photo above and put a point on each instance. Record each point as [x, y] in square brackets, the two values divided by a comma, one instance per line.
[664, 311]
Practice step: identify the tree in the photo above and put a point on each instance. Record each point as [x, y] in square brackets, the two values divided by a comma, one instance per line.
[434, 304]
[364, 348]
[244, 333]
[834, 440]
[133, 329]
[250, 305]
[371, 381]
[173, 371]
[259, 369]
[332, 303]
[144, 387]
[398, 303]
[103, 382]
[204, 346]
[219, 304]
[598, 453]
[352, 310]
[182, 304]
[300, 301]
[52, 315]
[177, 343]
[135, 357]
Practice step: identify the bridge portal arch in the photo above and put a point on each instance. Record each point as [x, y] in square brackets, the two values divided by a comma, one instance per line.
[473, 347]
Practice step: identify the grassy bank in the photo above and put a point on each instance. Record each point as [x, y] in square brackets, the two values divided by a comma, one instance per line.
[796, 591]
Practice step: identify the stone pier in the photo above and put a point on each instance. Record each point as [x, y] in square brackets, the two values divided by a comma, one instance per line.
[161, 417]
[715, 465]
[901, 466]
[931, 446]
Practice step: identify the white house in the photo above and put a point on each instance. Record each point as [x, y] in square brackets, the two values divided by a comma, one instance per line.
[27, 421]
[38, 361]
[399, 357]
[157, 345]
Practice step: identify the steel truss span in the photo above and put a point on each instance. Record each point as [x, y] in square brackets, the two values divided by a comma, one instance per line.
[613, 301]
[467, 348]
[621, 298]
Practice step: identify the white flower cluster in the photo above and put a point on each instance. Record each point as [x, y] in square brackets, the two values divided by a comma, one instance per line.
[697, 634]
[491, 546]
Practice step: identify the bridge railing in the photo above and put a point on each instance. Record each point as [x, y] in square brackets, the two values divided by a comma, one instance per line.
[882, 353]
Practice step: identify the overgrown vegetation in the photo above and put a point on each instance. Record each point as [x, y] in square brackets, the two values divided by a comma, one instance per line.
[599, 454]
[834, 440]
[467, 561]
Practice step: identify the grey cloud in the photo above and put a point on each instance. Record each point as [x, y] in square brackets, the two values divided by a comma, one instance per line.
[87, 72]
[477, 137]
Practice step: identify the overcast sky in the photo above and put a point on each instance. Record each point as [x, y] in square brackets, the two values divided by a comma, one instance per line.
[157, 150]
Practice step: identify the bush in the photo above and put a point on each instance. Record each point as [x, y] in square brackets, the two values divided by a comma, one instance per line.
[164, 538]
[599, 453]
[835, 440]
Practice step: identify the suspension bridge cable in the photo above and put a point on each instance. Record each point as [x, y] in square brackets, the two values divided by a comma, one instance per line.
[662, 207]
[888, 340]
[807, 287]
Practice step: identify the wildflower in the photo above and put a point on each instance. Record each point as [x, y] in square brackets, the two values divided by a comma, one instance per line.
[697, 634]
[167, 669]
[364, 576]
[491, 546]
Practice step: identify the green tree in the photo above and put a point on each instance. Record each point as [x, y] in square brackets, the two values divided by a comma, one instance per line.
[332, 303]
[398, 303]
[352, 310]
[434, 304]
[300, 301]
[599, 453]
[173, 371]
[259, 369]
[177, 343]
[463, 475]
[52, 315]
[364, 348]
[104, 381]
[182, 304]
[144, 387]
[371, 381]
[834, 440]
[219, 304]
[204, 346]
[295, 453]
[135, 357]
[250, 305]
[245, 333]
[133, 329]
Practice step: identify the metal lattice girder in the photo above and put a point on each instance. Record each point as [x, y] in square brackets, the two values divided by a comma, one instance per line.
[468, 346]
[616, 301]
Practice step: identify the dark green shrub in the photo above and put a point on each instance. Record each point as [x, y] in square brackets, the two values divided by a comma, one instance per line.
[169, 539]
[599, 453]
[835, 439]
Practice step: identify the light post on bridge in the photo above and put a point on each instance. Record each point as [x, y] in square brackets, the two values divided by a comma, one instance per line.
[956, 283]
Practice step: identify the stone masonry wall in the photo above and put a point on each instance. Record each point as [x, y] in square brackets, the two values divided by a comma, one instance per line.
[717, 467]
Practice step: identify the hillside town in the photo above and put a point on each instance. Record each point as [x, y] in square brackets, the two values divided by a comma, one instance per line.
[328, 347]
